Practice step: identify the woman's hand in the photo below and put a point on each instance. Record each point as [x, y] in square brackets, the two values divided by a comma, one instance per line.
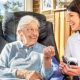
[71, 70]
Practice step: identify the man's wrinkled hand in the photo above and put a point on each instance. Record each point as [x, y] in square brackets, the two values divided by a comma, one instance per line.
[34, 76]
[47, 56]
[49, 52]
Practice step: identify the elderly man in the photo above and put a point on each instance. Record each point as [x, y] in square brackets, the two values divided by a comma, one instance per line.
[26, 58]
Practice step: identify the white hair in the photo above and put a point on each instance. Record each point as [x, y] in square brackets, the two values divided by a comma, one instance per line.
[26, 20]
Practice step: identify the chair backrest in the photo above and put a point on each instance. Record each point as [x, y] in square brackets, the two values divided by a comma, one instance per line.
[0, 28]
[46, 37]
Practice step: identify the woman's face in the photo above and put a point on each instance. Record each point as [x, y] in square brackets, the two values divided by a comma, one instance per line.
[74, 20]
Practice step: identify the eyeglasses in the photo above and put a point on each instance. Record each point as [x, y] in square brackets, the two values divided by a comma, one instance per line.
[32, 30]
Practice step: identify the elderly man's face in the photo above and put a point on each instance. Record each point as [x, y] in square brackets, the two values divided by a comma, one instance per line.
[29, 34]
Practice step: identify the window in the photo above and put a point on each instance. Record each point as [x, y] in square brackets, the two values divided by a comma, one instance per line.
[46, 5]
[62, 3]
[10, 6]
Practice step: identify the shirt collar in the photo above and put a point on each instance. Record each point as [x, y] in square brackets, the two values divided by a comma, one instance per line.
[21, 45]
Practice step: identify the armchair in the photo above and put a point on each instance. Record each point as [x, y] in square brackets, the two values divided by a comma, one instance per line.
[9, 26]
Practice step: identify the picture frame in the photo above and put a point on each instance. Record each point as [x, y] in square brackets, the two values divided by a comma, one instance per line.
[46, 5]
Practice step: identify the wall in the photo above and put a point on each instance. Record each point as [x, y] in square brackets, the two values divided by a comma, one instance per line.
[61, 28]
[28, 5]
[37, 8]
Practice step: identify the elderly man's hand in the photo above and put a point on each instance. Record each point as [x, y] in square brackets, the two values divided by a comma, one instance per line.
[34, 76]
[48, 54]
[28, 75]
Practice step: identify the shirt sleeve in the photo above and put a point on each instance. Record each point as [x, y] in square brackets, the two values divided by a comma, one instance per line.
[46, 73]
[53, 71]
[67, 49]
[5, 70]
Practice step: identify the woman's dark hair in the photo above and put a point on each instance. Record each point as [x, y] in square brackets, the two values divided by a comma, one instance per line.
[74, 6]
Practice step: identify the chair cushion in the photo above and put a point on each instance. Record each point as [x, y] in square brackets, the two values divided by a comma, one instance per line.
[0, 28]
[2, 43]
